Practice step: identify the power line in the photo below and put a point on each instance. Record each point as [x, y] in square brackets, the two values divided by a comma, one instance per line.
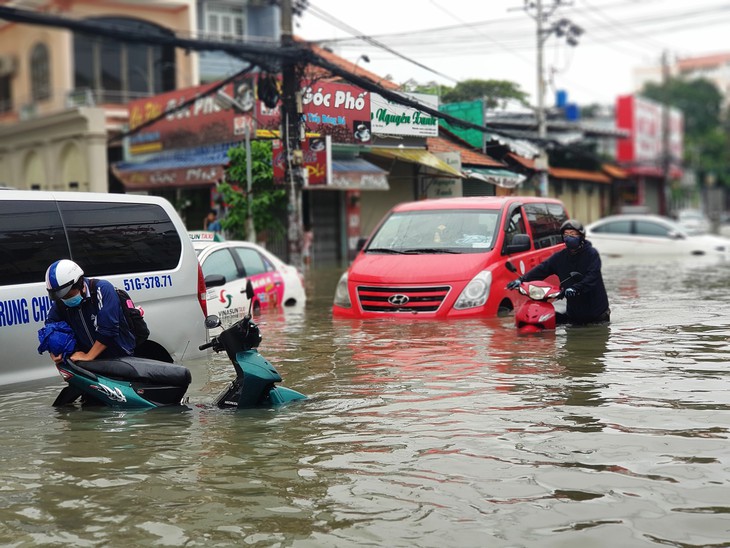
[319, 13]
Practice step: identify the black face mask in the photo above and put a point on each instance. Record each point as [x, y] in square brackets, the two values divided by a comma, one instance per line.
[572, 242]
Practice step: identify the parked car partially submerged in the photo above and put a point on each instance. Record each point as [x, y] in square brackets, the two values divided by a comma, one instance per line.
[694, 221]
[446, 258]
[227, 265]
[650, 236]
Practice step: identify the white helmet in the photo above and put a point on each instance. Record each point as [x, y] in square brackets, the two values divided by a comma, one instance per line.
[61, 276]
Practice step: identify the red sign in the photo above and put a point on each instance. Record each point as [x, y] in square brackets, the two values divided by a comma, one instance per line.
[339, 110]
[317, 161]
[204, 122]
[644, 149]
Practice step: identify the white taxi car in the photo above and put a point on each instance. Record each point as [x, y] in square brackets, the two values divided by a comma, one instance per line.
[276, 284]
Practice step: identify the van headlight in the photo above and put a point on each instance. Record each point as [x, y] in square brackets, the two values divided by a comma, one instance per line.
[342, 295]
[476, 291]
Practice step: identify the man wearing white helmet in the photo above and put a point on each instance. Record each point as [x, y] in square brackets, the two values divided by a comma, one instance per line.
[98, 323]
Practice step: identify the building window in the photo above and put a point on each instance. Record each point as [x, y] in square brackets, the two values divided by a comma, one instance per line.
[117, 72]
[6, 99]
[225, 22]
[40, 73]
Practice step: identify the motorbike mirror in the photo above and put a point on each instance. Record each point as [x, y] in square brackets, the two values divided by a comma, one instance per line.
[249, 290]
[509, 266]
[212, 321]
[576, 276]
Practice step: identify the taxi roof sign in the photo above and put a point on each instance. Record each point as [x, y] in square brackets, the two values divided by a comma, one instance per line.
[205, 236]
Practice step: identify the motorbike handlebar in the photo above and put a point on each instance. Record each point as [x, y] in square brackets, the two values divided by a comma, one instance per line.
[207, 345]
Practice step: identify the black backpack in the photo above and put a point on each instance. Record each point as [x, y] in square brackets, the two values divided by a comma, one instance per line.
[132, 314]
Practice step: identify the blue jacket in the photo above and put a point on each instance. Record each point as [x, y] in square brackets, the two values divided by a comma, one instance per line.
[100, 319]
[592, 300]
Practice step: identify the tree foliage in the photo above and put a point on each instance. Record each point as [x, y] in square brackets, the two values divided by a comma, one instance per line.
[496, 93]
[699, 100]
[267, 201]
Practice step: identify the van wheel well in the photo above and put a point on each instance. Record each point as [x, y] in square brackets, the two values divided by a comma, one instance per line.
[505, 308]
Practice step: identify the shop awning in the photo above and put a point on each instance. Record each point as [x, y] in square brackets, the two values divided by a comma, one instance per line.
[357, 174]
[499, 177]
[194, 167]
[418, 156]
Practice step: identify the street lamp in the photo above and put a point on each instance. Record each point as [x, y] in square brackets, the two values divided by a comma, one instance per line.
[363, 57]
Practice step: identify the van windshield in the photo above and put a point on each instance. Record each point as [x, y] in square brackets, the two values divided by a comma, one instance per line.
[436, 231]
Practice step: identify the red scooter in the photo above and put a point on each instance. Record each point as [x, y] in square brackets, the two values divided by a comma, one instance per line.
[537, 313]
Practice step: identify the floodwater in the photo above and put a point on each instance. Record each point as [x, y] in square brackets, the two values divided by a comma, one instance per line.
[416, 434]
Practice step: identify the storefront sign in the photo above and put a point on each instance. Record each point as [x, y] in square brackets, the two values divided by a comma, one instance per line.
[204, 122]
[388, 118]
[341, 111]
[180, 177]
[645, 120]
[317, 161]
[442, 187]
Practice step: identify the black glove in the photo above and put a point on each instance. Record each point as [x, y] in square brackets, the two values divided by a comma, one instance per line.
[514, 284]
[570, 293]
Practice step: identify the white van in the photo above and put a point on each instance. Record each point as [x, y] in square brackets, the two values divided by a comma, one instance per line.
[138, 243]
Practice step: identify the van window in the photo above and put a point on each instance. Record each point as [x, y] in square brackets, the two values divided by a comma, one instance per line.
[118, 238]
[31, 238]
[545, 221]
[515, 225]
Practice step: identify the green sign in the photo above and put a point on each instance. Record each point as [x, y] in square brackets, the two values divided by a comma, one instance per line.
[469, 111]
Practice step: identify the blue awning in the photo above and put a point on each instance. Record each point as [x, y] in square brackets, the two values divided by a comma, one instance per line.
[192, 167]
[213, 155]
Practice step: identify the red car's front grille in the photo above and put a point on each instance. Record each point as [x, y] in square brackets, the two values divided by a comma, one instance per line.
[401, 299]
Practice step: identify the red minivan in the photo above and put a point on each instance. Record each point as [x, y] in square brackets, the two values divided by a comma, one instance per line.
[445, 258]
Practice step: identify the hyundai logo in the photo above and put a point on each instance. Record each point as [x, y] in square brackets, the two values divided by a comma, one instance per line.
[398, 300]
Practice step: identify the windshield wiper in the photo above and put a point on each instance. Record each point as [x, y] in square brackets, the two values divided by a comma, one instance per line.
[430, 250]
[384, 250]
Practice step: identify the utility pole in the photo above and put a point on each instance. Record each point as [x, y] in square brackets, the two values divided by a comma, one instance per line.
[541, 123]
[561, 28]
[291, 138]
[666, 130]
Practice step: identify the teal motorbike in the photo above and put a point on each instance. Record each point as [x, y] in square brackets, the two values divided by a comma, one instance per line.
[136, 382]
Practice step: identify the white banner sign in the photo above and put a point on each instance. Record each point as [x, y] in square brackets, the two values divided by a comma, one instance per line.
[388, 118]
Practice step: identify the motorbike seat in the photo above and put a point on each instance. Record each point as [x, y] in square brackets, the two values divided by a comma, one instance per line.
[134, 369]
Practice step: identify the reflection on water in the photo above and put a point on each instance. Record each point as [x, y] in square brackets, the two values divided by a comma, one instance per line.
[429, 434]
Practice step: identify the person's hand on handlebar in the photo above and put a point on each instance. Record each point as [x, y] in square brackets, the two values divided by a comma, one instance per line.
[570, 293]
[514, 284]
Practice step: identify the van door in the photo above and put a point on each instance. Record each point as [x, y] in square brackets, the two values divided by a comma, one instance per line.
[516, 223]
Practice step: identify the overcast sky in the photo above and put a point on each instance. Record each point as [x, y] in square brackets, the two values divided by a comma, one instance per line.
[452, 40]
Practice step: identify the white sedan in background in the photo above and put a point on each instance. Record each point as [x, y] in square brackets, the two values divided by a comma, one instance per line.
[276, 284]
[641, 235]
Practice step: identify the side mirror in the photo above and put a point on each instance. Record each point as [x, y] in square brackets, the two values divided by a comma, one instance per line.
[214, 280]
[212, 321]
[361, 243]
[674, 235]
[249, 290]
[520, 242]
